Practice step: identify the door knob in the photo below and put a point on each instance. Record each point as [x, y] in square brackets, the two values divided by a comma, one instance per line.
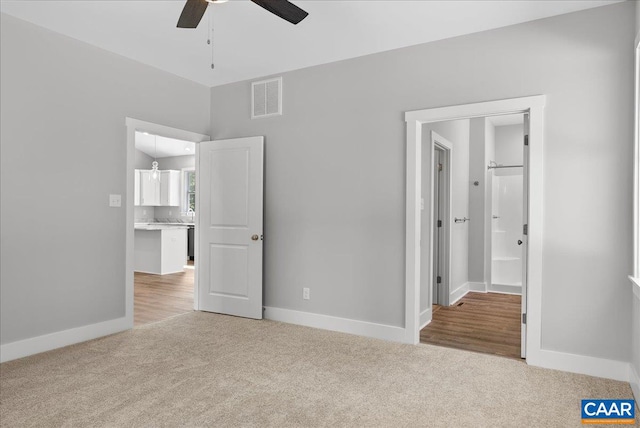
[255, 237]
[519, 242]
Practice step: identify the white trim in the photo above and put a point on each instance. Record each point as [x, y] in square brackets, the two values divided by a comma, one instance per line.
[634, 381]
[635, 285]
[478, 287]
[505, 289]
[132, 126]
[414, 119]
[343, 325]
[636, 160]
[47, 342]
[573, 363]
[425, 317]
[438, 141]
[468, 111]
[458, 293]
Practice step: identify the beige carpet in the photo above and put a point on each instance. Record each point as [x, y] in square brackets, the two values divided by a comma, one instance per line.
[203, 369]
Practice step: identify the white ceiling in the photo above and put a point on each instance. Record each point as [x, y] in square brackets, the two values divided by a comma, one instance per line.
[166, 147]
[250, 42]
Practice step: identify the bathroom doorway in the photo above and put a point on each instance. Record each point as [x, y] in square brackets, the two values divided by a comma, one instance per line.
[477, 304]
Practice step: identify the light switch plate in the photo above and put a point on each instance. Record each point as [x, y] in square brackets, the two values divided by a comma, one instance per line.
[115, 200]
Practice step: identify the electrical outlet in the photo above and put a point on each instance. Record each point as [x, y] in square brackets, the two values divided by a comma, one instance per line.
[306, 294]
[115, 200]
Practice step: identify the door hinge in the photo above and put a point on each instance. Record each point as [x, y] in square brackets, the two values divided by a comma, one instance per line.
[439, 167]
[439, 223]
[438, 280]
[524, 318]
[526, 140]
[525, 229]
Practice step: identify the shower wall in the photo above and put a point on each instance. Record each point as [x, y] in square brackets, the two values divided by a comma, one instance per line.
[506, 211]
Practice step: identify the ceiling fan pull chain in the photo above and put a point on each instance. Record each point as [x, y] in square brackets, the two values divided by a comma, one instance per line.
[210, 37]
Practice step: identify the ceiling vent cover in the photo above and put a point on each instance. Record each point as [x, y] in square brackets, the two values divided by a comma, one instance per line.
[266, 98]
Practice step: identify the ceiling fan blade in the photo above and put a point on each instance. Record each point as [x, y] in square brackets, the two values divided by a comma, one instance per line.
[284, 9]
[192, 13]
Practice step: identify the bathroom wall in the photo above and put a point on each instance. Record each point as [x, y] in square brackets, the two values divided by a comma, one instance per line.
[457, 132]
[481, 151]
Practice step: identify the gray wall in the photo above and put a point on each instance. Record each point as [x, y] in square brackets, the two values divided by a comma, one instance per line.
[481, 151]
[635, 322]
[457, 132]
[177, 162]
[63, 146]
[142, 160]
[335, 169]
[509, 147]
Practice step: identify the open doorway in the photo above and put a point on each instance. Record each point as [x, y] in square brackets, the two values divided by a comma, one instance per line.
[162, 209]
[164, 223]
[477, 305]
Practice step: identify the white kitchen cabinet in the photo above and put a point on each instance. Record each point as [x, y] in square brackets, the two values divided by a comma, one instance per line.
[136, 187]
[149, 189]
[163, 191]
[160, 249]
[170, 188]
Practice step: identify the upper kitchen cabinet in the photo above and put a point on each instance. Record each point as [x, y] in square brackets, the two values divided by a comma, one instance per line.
[149, 189]
[170, 188]
[161, 191]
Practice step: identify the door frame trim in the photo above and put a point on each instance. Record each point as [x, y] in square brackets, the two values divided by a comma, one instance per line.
[534, 105]
[445, 145]
[132, 126]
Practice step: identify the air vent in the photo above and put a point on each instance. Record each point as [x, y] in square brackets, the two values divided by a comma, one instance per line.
[266, 98]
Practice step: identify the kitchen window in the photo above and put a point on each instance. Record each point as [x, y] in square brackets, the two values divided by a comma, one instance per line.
[189, 199]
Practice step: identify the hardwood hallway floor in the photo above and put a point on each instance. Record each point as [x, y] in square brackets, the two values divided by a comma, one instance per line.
[480, 322]
[157, 297]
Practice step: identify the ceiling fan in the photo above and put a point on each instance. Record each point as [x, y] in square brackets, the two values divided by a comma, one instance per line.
[194, 11]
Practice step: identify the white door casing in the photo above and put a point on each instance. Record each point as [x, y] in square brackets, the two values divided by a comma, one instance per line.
[230, 226]
[525, 237]
[534, 105]
[444, 193]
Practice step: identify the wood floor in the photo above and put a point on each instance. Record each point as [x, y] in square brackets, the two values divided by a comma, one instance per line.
[480, 322]
[157, 297]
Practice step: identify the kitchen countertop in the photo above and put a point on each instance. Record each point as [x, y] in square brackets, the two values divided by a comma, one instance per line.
[161, 226]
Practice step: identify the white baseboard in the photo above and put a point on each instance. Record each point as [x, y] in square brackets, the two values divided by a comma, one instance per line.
[458, 293]
[425, 317]
[47, 342]
[478, 287]
[343, 325]
[573, 363]
[634, 380]
[505, 289]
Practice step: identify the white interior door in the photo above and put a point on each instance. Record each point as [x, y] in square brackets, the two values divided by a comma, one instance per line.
[230, 203]
[525, 237]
